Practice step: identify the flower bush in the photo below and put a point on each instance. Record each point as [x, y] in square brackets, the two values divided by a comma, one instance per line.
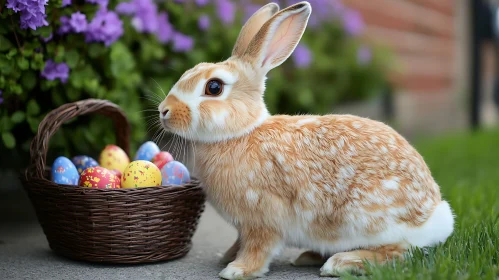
[129, 52]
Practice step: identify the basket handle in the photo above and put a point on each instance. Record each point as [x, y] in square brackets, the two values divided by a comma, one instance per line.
[53, 120]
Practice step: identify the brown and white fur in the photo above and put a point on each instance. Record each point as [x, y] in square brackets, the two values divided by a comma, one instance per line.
[337, 185]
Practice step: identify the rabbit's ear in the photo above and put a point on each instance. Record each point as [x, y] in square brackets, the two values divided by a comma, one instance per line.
[278, 37]
[252, 26]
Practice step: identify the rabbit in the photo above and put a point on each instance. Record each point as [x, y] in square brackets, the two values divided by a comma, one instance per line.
[345, 189]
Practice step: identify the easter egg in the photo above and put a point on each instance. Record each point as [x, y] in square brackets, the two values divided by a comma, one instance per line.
[147, 151]
[174, 173]
[162, 158]
[83, 162]
[99, 177]
[64, 172]
[113, 157]
[141, 173]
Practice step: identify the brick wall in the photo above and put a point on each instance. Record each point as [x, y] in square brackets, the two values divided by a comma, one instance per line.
[429, 39]
[422, 33]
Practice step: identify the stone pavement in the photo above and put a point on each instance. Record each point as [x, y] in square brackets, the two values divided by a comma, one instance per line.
[24, 252]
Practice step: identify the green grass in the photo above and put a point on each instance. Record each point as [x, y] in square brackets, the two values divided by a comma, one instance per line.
[467, 169]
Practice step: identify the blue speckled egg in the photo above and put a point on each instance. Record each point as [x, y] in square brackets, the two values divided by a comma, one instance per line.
[64, 172]
[174, 173]
[147, 151]
[83, 162]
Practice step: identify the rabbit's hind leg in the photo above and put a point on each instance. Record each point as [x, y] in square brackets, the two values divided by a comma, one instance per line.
[309, 258]
[231, 253]
[353, 261]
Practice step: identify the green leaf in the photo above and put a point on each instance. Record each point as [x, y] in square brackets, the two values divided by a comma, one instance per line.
[28, 80]
[29, 48]
[45, 31]
[23, 63]
[33, 109]
[59, 54]
[37, 63]
[33, 124]
[17, 117]
[91, 85]
[16, 88]
[6, 66]
[28, 52]
[96, 50]
[11, 53]
[5, 123]
[8, 140]
[5, 44]
[72, 58]
[80, 75]
[122, 61]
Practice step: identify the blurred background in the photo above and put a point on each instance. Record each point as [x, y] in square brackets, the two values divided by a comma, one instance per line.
[429, 68]
[426, 67]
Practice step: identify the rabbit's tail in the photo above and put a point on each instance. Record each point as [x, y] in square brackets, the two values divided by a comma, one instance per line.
[436, 229]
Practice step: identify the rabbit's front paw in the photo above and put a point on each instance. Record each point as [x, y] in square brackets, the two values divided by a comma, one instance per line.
[343, 263]
[232, 272]
[237, 272]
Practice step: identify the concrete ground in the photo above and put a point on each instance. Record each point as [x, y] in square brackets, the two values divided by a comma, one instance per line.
[24, 252]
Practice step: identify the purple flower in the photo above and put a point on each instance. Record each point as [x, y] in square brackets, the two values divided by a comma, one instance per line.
[48, 38]
[54, 71]
[201, 3]
[353, 23]
[16, 6]
[302, 56]
[126, 8]
[364, 55]
[145, 14]
[105, 27]
[1, 98]
[66, 3]
[204, 22]
[78, 22]
[165, 30]
[182, 43]
[32, 12]
[65, 25]
[226, 11]
[102, 3]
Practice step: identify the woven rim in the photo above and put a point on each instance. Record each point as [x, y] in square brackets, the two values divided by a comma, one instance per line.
[137, 225]
[53, 121]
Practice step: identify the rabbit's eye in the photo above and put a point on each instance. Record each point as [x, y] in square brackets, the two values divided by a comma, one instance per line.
[214, 87]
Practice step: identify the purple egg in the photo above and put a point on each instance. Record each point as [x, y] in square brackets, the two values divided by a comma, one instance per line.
[64, 172]
[147, 151]
[174, 173]
[83, 162]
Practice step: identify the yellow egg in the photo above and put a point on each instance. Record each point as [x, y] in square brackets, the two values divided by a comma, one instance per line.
[141, 173]
[113, 157]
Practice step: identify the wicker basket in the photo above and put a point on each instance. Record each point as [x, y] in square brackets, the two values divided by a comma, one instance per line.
[109, 225]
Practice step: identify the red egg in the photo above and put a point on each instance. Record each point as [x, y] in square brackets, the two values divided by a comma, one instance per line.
[99, 177]
[161, 159]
